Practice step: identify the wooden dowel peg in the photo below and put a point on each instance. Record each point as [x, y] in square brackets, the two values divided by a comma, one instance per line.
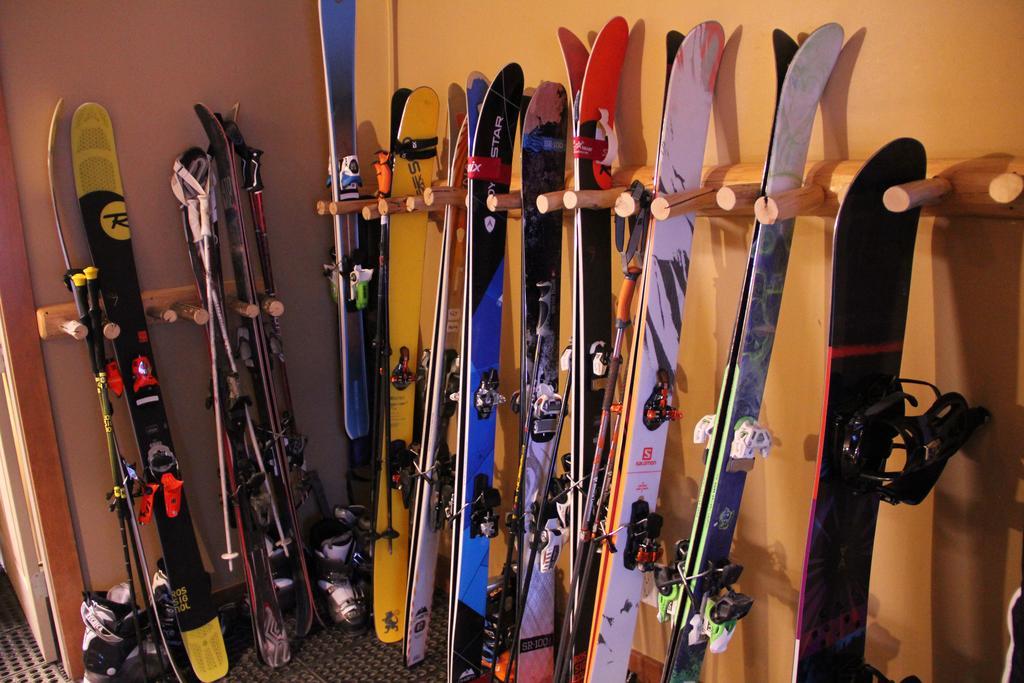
[111, 330]
[390, 205]
[737, 197]
[504, 202]
[321, 207]
[197, 314]
[900, 198]
[415, 203]
[349, 206]
[444, 196]
[165, 315]
[272, 306]
[371, 211]
[74, 329]
[679, 203]
[796, 202]
[246, 310]
[592, 199]
[551, 201]
[625, 206]
[1006, 187]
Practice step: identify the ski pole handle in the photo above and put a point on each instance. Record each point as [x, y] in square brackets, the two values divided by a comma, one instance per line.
[92, 281]
[626, 296]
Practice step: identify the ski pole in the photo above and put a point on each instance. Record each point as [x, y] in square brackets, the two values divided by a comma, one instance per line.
[539, 523]
[600, 462]
[86, 285]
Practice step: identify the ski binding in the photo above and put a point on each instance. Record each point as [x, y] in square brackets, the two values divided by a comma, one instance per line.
[487, 398]
[749, 439]
[359, 286]
[482, 516]
[704, 431]
[658, 409]
[642, 544]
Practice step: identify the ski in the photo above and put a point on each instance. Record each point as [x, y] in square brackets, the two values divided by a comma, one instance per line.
[594, 84]
[708, 609]
[533, 523]
[350, 270]
[413, 155]
[638, 456]
[432, 487]
[105, 219]
[866, 418]
[489, 170]
[285, 466]
[245, 485]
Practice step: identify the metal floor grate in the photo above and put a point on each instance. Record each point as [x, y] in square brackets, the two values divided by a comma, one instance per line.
[20, 659]
[333, 655]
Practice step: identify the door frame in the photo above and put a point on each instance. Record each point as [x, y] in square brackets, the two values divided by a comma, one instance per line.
[33, 429]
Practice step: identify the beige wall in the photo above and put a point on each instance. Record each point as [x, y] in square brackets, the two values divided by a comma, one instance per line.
[934, 70]
[148, 63]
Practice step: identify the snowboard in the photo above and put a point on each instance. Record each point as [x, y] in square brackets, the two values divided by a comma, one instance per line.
[414, 151]
[105, 218]
[735, 434]
[283, 467]
[431, 492]
[594, 83]
[639, 455]
[872, 259]
[488, 171]
[338, 38]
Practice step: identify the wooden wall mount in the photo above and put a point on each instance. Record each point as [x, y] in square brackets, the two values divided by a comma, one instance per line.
[161, 305]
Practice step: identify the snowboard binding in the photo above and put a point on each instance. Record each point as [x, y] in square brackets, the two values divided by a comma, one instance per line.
[487, 398]
[643, 546]
[868, 436]
[658, 409]
[483, 517]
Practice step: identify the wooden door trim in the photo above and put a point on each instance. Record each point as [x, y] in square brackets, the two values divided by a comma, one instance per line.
[32, 402]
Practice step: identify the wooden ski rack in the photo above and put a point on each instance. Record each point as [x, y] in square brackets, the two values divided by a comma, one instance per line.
[161, 305]
[984, 187]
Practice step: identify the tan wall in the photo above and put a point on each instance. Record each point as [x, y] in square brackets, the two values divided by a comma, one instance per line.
[937, 71]
[148, 63]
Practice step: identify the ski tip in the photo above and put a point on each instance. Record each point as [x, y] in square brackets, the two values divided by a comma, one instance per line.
[206, 651]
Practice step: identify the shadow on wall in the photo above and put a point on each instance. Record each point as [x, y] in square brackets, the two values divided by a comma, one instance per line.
[725, 114]
[978, 512]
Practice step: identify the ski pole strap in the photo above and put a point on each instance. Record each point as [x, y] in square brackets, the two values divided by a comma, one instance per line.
[488, 169]
[637, 224]
[191, 183]
[411, 149]
[252, 169]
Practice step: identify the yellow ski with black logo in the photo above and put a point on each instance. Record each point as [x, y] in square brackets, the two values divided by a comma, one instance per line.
[414, 153]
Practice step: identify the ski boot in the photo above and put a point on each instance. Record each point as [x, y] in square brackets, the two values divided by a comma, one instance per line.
[110, 648]
[333, 544]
